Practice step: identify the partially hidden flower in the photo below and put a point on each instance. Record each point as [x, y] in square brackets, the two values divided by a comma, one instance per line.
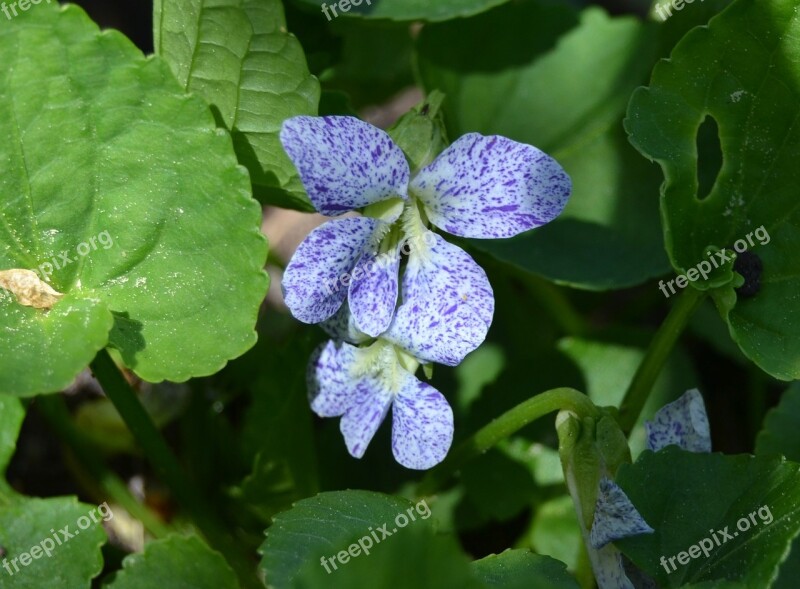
[362, 384]
[683, 423]
[615, 517]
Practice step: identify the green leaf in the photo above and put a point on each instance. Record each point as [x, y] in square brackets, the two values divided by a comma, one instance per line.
[790, 569]
[375, 62]
[514, 85]
[676, 26]
[555, 531]
[40, 360]
[402, 10]
[352, 525]
[707, 325]
[738, 72]
[12, 413]
[520, 569]
[717, 585]
[781, 436]
[689, 497]
[237, 55]
[781, 432]
[74, 556]
[437, 564]
[177, 563]
[144, 185]
[28, 523]
[481, 368]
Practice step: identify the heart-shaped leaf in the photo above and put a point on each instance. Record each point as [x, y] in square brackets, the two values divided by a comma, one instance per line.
[138, 214]
[738, 72]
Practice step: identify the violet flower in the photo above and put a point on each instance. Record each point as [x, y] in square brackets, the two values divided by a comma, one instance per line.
[485, 187]
[346, 275]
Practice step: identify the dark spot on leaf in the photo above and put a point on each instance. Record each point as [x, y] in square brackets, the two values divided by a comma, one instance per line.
[749, 265]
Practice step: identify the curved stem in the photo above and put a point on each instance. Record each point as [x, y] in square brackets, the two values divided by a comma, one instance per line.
[657, 354]
[504, 426]
[167, 467]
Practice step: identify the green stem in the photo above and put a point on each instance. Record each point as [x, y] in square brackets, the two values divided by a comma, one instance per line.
[583, 569]
[657, 354]
[167, 467]
[504, 426]
[54, 410]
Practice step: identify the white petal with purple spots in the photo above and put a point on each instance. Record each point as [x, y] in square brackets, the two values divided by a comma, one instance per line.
[344, 163]
[609, 570]
[373, 291]
[422, 424]
[615, 517]
[312, 283]
[492, 187]
[330, 388]
[370, 404]
[683, 423]
[447, 304]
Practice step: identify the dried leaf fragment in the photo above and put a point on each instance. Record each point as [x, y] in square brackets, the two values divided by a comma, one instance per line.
[29, 289]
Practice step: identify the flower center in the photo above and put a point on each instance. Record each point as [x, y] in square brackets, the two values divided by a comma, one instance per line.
[384, 361]
[415, 227]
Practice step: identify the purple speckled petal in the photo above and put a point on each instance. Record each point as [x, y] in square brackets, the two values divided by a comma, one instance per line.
[683, 423]
[492, 187]
[370, 404]
[422, 424]
[344, 163]
[447, 304]
[373, 291]
[615, 517]
[342, 326]
[312, 284]
[330, 386]
[609, 569]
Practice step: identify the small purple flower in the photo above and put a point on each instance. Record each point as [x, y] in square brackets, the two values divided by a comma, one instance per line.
[484, 187]
[361, 384]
